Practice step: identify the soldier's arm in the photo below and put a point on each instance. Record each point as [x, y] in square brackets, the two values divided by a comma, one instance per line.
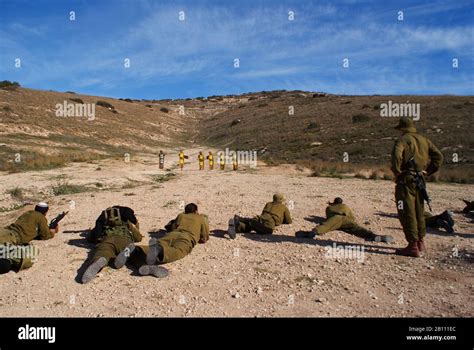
[397, 157]
[137, 236]
[204, 231]
[287, 217]
[436, 159]
[97, 232]
[44, 232]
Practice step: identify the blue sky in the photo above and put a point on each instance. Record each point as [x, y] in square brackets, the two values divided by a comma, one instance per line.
[176, 59]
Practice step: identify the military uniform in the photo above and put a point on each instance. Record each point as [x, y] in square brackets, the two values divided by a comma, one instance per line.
[187, 231]
[340, 217]
[115, 229]
[15, 238]
[210, 157]
[161, 159]
[274, 214]
[410, 204]
[201, 161]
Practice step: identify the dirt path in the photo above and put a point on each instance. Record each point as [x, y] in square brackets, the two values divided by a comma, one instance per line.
[252, 275]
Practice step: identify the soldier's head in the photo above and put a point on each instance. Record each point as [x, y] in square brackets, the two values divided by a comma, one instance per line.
[161, 151]
[337, 200]
[406, 125]
[190, 208]
[278, 198]
[210, 152]
[42, 207]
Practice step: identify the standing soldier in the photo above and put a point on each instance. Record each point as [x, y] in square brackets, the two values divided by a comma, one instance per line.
[182, 156]
[210, 157]
[201, 161]
[412, 147]
[187, 230]
[340, 217]
[274, 214]
[234, 161]
[162, 159]
[115, 231]
[17, 236]
[222, 160]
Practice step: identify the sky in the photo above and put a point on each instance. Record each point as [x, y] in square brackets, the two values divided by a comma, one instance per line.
[291, 45]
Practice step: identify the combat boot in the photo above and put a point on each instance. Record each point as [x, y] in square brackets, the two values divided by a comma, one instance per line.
[155, 251]
[421, 246]
[383, 238]
[154, 270]
[410, 250]
[93, 269]
[122, 258]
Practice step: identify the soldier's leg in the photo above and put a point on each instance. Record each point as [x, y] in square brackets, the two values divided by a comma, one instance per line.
[420, 215]
[331, 224]
[244, 225]
[176, 249]
[353, 228]
[405, 196]
[260, 227]
[7, 236]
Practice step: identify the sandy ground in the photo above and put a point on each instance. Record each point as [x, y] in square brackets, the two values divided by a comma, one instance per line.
[254, 275]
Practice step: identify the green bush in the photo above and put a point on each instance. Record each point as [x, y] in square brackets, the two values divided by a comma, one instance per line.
[78, 100]
[9, 85]
[360, 118]
[104, 104]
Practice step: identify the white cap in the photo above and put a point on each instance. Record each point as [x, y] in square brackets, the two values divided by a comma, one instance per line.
[42, 205]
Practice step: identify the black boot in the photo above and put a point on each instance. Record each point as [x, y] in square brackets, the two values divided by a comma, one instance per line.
[155, 252]
[122, 258]
[154, 270]
[5, 266]
[93, 269]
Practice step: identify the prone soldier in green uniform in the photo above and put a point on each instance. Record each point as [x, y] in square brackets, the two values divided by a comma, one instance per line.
[274, 214]
[184, 232]
[115, 231]
[412, 147]
[340, 217]
[444, 220]
[16, 252]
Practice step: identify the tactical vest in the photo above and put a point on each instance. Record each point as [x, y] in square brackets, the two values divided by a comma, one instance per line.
[114, 225]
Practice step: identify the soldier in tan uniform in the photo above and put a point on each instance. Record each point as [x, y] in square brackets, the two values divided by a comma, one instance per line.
[340, 217]
[187, 230]
[16, 252]
[115, 231]
[235, 164]
[410, 204]
[274, 214]
[182, 157]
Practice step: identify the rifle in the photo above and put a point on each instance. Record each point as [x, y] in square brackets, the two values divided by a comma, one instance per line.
[54, 223]
[420, 183]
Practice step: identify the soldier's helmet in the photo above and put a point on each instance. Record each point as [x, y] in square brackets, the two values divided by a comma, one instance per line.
[278, 197]
[406, 125]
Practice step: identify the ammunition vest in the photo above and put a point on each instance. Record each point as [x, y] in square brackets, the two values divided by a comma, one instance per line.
[114, 225]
